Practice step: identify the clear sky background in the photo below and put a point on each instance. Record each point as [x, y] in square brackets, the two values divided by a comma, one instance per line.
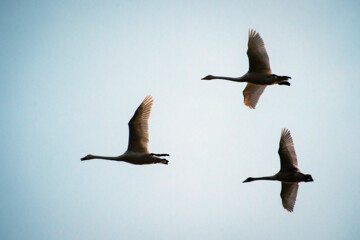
[74, 72]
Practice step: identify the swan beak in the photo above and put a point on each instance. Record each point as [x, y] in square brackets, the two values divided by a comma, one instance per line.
[87, 157]
[208, 77]
[247, 180]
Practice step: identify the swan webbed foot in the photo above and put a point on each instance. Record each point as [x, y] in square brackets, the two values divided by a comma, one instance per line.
[284, 83]
[164, 161]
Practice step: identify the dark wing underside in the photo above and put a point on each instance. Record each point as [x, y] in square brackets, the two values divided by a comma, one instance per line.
[138, 127]
[288, 195]
[288, 159]
[258, 57]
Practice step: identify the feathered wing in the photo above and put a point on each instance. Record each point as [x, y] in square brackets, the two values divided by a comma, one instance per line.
[139, 128]
[288, 195]
[258, 58]
[288, 159]
[252, 93]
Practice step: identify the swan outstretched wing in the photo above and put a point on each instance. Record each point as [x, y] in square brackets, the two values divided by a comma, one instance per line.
[258, 58]
[288, 195]
[252, 93]
[139, 128]
[288, 159]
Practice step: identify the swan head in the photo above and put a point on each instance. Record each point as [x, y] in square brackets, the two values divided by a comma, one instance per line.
[208, 77]
[250, 179]
[87, 157]
[308, 178]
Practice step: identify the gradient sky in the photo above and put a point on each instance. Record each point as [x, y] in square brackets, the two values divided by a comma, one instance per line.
[74, 72]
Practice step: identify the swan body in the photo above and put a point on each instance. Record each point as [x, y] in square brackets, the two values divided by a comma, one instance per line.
[289, 174]
[137, 152]
[286, 177]
[259, 75]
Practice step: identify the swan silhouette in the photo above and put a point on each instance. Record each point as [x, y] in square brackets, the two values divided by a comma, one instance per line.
[289, 174]
[137, 152]
[259, 74]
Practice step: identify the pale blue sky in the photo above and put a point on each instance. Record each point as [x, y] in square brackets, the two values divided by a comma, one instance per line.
[74, 72]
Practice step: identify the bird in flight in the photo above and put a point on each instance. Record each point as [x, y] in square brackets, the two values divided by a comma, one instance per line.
[137, 152]
[289, 174]
[259, 74]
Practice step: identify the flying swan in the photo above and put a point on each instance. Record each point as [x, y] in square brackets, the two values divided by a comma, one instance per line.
[259, 74]
[289, 174]
[137, 152]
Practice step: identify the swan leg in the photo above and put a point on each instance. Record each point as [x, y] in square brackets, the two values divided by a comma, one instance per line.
[154, 159]
[160, 155]
[284, 77]
[284, 83]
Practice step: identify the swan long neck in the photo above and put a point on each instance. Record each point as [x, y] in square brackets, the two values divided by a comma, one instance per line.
[106, 158]
[263, 178]
[239, 79]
